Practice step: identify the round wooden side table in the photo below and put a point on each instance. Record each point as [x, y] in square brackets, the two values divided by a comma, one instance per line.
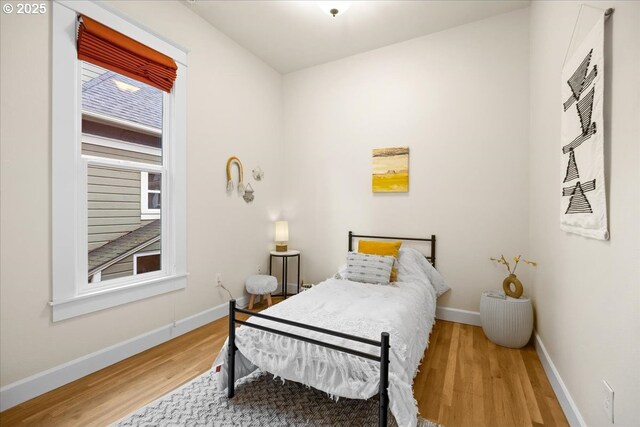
[506, 321]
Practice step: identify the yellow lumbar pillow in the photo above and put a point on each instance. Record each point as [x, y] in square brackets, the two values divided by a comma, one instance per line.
[372, 247]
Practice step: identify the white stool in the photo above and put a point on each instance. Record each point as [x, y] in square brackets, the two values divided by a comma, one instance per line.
[507, 322]
[260, 284]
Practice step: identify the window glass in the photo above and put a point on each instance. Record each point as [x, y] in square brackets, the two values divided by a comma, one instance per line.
[147, 263]
[154, 201]
[154, 181]
[122, 121]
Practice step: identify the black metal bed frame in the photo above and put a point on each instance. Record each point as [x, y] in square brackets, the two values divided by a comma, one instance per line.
[382, 358]
[432, 239]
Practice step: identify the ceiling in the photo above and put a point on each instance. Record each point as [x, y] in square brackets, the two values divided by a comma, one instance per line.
[292, 35]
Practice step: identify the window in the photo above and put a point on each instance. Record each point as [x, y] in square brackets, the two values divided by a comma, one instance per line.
[146, 262]
[150, 184]
[123, 200]
[119, 223]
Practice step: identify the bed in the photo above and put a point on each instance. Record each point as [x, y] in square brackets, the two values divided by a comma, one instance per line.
[346, 338]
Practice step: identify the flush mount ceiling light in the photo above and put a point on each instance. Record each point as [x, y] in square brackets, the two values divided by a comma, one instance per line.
[334, 7]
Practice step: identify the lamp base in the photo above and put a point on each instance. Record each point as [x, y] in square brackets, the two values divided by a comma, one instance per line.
[281, 248]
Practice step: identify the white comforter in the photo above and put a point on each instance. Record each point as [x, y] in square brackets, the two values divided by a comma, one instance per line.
[406, 310]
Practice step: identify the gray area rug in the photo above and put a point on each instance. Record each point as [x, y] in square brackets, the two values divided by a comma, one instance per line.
[259, 401]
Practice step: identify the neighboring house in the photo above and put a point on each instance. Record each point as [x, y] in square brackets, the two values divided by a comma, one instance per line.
[121, 119]
[122, 255]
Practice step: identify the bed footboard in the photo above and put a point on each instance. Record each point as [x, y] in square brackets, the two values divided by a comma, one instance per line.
[232, 349]
[383, 358]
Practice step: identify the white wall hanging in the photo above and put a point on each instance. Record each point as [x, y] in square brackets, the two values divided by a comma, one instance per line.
[583, 202]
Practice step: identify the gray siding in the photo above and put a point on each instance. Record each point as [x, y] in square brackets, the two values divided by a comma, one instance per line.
[155, 247]
[119, 269]
[113, 202]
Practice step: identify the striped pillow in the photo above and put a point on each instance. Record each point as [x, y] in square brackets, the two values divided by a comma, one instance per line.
[368, 268]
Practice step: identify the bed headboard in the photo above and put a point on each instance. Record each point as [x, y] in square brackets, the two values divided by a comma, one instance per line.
[432, 239]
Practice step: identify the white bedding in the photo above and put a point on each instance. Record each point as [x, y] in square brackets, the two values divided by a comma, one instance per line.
[406, 310]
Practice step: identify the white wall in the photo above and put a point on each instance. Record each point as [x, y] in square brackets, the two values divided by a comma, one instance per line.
[460, 100]
[465, 101]
[587, 292]
[235, 107]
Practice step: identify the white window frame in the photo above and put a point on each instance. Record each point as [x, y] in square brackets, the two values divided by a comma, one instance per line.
[71, 294]
[145, 211]
[120, 145]
[140, 255]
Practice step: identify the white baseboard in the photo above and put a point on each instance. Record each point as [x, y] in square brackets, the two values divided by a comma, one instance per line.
[562, 393]
[457, 315]
[42, 382]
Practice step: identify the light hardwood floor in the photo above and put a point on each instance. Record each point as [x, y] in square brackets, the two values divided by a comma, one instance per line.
[464, 380]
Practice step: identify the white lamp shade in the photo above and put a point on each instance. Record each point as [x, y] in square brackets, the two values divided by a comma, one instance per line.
[282, 231]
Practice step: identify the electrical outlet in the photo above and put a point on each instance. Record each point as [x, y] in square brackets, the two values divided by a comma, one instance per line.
[259, 269]
[607, 404]
[218, 279]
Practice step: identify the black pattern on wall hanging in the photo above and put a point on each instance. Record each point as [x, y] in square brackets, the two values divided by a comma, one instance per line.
[578, 203]
[572, 168]
[583, 200]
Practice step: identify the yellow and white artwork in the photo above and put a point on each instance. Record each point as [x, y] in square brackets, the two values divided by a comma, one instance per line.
[390, 170]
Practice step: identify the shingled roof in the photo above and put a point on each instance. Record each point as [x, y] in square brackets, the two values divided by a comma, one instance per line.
[112, 252]
[101, 95]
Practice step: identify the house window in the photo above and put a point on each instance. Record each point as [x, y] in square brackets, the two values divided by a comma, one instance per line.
[118, 226]
[146, 262]
[150, 184]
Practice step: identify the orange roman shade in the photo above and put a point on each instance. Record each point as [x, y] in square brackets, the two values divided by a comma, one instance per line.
[114, 51]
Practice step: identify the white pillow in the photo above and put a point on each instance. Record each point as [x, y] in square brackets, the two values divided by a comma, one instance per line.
[367, 268]
[412, 263]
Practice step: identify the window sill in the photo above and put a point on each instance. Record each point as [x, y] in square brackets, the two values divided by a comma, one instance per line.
[100, 300]
[149, 216]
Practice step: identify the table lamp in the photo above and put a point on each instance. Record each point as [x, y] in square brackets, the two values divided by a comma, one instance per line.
[282, 236]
